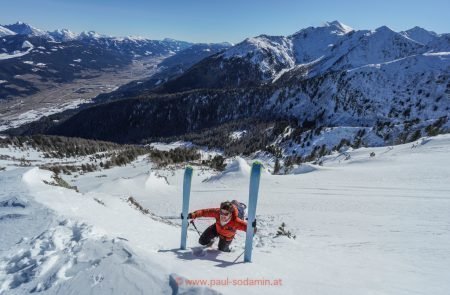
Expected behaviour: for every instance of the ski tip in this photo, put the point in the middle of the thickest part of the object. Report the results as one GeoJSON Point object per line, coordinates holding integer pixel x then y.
{"type": "Point", "coordinates": [189, 167]}
{"type": "Point", "coordinates": [257, 163]}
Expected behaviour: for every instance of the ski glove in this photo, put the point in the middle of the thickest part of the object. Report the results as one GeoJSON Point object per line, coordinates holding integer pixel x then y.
{"type": "Point", "coordinates": [190, 216]}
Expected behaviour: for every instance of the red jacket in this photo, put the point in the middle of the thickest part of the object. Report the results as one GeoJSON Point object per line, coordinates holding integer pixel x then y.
{"type": "Point", "coordinates": [228, 230]}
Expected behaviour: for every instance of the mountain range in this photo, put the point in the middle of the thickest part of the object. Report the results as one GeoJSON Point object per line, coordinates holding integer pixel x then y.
{"type": "Point", "coordinates": [61, 56]}
{"type": "Point", "coordinates": [331, 83]}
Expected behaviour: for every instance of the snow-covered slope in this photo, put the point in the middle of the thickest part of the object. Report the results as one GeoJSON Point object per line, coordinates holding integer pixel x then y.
{"type": "Point", "coordinates": [410, 88]}
{"type": "Point", "coordinates": [270, 53]}
{"type": "Point", "coordinates": [317, 42]}
{"type": "Point", "coordinates": [380, 46]}
{"type": "Point", "coordinates": [56, 254]}
{"type": "Point", "coordinates": [440, 44]}
{"type": "Point", "coordinates": [5, 32]}
{"type": "Point", "coordinates": [372, 220]}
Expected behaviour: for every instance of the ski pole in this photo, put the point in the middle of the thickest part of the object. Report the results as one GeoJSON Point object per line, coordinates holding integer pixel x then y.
{"type": "Point", "coordinates": [192, 221]}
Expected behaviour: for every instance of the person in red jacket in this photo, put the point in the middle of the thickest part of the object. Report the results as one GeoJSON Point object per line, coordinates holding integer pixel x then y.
{"type": "Point", "coordinates": [227, 223]}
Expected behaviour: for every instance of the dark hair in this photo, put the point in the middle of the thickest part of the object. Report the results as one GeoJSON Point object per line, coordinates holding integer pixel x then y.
{"type": "Point", "coordinates": [226, 205]}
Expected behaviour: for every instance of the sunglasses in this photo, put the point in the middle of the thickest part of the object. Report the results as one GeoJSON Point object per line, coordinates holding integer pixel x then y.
{"type": "Point", "coordinates": [224, 212]}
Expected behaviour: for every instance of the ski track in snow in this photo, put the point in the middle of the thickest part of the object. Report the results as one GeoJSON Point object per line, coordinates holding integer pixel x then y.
{"type": "Point", "coordinates": [376, 225]}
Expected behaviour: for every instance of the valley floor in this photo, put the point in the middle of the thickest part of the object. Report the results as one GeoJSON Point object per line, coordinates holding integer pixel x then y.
{"type": "Point", "coordinates": [56, 97]}
{"type": "Point", "coordinates": [365, 225]}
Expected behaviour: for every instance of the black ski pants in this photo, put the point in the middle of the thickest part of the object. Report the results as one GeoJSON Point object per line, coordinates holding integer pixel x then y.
{"type": "Point", "coordinates": [209, 234]}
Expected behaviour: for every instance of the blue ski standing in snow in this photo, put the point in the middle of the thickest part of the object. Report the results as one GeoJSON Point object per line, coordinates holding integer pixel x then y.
{"type": "Point", "coordinates": [252, 201]}
{"type": "Point", "coordinates": [185, 212]}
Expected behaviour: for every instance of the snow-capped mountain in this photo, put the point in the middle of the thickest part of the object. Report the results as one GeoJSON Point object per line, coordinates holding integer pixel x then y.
{"type": "Point", "coordinates": [311, 51]}
{"type": "Point", "coordinates": [64, 35]}
{"type": "Point", "coordinates": [270, 53]}
{"type": "Point", "coordinates": [91, 35]}
{"type": "Point", "coordinates": [21, 28]}
{"type": "Point", "coordinates": [379, 46]}
{"type": "Point", "coordinates": [316, 42]}
{"type": "Point", "coordinates": [61, 55]}
{"type": "Point", "coordinates": [114, 43]}
{"type": "Point", "coordinates": [420, 35]}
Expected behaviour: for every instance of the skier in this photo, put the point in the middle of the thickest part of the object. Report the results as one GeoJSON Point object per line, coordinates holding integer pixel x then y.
{"type": "Point", "coordinates": [227, 222]}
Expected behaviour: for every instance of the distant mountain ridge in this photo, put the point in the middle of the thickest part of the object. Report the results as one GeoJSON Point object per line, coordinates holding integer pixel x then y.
{"type": "Point", "coordinates": [64, 35]}
{"type": "Point", "coordinates": [332, 83]}
{"type": "Point", "coordinates": [63, 55]}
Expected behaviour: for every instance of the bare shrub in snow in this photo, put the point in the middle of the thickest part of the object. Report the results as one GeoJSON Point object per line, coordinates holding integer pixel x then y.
{"type": "Point", "coordinates": [58, 181]}
{"type": "Point", "coordinates": [282, 231]}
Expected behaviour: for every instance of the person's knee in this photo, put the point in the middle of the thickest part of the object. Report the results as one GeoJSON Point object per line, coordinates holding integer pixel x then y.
{"type": "Point", "coordinates": [203, 241]}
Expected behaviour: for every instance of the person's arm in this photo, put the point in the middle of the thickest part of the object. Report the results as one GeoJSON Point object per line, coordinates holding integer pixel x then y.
{"type": "Point", "coordinates": [211, 212]}
{"type": "Point", "coordinates": [241, 224]}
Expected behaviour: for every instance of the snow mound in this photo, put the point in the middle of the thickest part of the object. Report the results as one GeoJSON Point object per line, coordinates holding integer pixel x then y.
{"type": "Point", "coordinates": [26, 45]}
{"type": "Point", "coordinates": [36, 177]}
{"type": "Point", "coordinates": [157, 182]}
{"type": "Point", "coordinates": [304, 168]}
{"type": "Point", "coordinates": [237, 169]}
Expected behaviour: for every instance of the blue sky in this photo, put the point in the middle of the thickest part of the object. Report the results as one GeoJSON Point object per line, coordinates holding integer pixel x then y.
{"type": "Point", "coordinates": [224, 20]}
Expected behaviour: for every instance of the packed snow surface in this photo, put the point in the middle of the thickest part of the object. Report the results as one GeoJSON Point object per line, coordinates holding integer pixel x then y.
{"type": "Point", "coordinates": [369, 221]}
